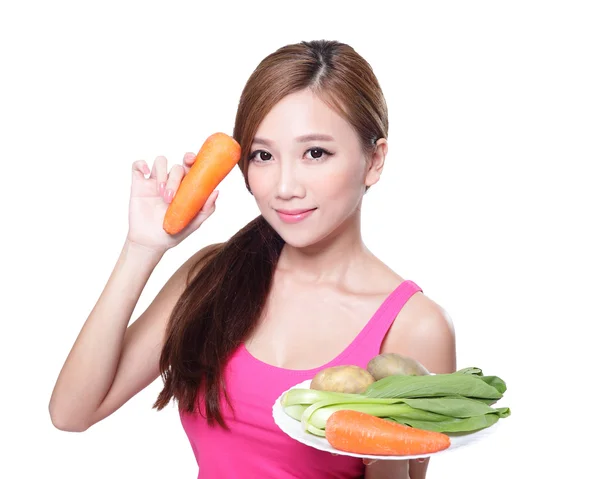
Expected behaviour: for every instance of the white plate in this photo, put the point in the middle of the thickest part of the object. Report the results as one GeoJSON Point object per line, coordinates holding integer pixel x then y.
{"type": "Point", "coordinates": [294, 429]}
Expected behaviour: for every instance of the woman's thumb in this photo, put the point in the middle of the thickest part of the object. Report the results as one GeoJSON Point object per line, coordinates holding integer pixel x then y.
{"type": "Point", "coordinates": [207, 210]}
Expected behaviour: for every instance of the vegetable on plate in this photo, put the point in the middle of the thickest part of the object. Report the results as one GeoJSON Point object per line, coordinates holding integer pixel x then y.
{"type": "Point", "coordinates": [458, 402]}
{"type": "Point", "coordinates": [361, 433]}
{"type": "Point", "coordinates": [389, 364]}
{"type": "Point", "coordinates": [343, 379]}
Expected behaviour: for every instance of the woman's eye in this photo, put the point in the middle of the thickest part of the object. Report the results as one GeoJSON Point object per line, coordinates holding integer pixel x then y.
{"type": "Point", "coordinates": [317, 153]}
{"type": "Point", "coordinates": [260, 156]}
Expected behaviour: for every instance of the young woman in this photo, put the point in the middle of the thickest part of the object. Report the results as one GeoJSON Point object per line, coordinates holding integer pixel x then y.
{"type": "Point", "coordinates": [295, 291]}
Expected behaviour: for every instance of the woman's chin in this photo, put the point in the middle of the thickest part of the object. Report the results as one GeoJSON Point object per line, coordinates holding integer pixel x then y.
{"type": "Point", "coordinates": [297, 236]}
{"type": "Point", "coordinates": [303, 234]}
{"type": "Point", "coordinates": [299, 239]}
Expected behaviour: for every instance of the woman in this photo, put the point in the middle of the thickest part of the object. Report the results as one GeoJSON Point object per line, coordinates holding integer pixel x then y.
{"type": "Point", "coordinates": [293, 292]}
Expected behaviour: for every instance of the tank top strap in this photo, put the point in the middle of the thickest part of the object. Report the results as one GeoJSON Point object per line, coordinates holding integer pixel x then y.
{"type": "Point", "coordinates": [382, 320]}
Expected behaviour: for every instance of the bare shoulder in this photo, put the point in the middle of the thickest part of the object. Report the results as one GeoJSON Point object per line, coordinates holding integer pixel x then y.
{"type": "Point", "coordinates": [424, 331]}
{"type": "Point", "coordinates": [181, 278]}
{"type": "Point", "coordinates": [198, 259]}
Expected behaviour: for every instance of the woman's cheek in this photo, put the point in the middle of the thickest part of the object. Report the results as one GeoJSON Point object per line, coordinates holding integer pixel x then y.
{"type": "Point", "coordinates": [258, 182]}
{"type": "Point", "coordinates": [340, 184]}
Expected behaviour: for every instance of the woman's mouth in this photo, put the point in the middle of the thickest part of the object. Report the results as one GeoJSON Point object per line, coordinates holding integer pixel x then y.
{"type": "Point", "coordinates": [294, 216]}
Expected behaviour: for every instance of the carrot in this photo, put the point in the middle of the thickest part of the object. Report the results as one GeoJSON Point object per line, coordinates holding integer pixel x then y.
{"type": "Point", "coordinates": [216, 158]}
{"type": "Point", "coordinates": [361, 433]}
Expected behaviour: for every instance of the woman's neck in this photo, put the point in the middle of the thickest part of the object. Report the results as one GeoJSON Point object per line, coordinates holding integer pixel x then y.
{"type": "Point", "coordinates": [331, 260]}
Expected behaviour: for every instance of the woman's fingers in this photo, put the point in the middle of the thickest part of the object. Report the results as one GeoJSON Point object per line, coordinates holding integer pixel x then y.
{"type": "Point", "coordinates": [140, 166]}
{"type": "Point", "coordinates": [207, 210]}
{"type": "Point", "coordinates": [209, 207]}
{"type": "Point", "coordinates": [367, 462]}
{"type": "Point", "coordinates": [175, 176]}
{"type": "Point", "coordinates": [188, 161]}
{"type": "Point", "coordinates": [159, 172]}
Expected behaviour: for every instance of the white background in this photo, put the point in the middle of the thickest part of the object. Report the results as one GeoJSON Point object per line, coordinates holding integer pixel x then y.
{"type": "Point", "coordinates": [490, 186]}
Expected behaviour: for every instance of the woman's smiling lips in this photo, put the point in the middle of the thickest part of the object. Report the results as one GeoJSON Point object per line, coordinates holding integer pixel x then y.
{"type": "Point", "coordinates": [294, 216]}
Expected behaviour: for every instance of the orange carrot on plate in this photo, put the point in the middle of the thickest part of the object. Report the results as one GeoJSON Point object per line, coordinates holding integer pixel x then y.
{"type": "Point", "coordinates": [361, 433]}
{"type": "Point", "coordinates": [217, 157]}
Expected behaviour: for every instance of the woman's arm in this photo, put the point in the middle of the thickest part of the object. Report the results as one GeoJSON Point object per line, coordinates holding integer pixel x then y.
{"type": "Point", "coordinates": [109, 362]}
{"type": "Point", "coordinates": [422, 331]}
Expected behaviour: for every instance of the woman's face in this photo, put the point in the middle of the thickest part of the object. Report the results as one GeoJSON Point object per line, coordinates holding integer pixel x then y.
{"type": "Point", "coordinates": [306, 186]}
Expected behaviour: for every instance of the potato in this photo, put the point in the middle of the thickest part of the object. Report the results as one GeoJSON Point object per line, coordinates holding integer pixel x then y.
{"type": "Point", "coordinates": [389, 364]}
{"type": "Point", "coordinates": [343, 379]}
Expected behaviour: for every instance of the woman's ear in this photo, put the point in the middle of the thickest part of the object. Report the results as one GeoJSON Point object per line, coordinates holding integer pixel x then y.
{"type": "Point", "coordinates": [375, 165]}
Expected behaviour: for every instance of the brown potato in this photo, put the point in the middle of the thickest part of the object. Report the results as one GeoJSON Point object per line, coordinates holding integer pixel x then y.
{"type": "Point", "coordinates": [343, 379]}
{"type": "Point", "coordinates": [389, 364]}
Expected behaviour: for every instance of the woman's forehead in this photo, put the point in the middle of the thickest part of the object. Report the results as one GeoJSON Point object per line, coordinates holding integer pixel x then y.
{"type": "Point", "coordinates": [302, 117]}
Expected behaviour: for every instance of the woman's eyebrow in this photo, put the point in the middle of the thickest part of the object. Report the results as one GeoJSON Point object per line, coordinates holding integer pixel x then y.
{"type": "Point", "coordinates": [300, 139]}
{"type": "Point", "coordinates": [314, 137]}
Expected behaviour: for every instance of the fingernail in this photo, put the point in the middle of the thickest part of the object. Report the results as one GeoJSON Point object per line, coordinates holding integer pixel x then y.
{"type": "Point", "coordinates": [169, 195]}
{"type": "Point", "coordinates": [161, 188]}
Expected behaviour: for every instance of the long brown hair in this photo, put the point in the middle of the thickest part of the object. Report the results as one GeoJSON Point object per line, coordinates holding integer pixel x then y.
{"type": "Point", "coordinates": [223, 301]}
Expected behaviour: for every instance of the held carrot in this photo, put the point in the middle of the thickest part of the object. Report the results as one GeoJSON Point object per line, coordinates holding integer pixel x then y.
{"type": "Point", "coordinates": [361, 433]}
{"type": "Point", "coordinates": [216, 158]}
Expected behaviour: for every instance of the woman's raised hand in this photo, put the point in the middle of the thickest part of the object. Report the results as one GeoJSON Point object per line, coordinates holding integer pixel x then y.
{"type": "Point", "coordinates": [151, 193]}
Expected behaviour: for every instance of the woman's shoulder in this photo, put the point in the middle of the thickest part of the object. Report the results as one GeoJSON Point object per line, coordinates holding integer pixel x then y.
{"type": "Point", "coordinates": [204, 254]}
{"type": "Point", "coordinates": [420, 309]}
{"type": "Point", "coordinates": [423, 330]}
{"type": "Point", "coordinates": [196, 261]}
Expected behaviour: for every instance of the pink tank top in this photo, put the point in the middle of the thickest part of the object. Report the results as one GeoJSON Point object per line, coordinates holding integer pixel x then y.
{"type": "Point", "coordinates": [255, 447]}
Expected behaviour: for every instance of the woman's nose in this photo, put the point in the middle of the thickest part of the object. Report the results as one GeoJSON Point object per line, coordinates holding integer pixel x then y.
{"type": "Point", "coordinates": [289, 184]}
